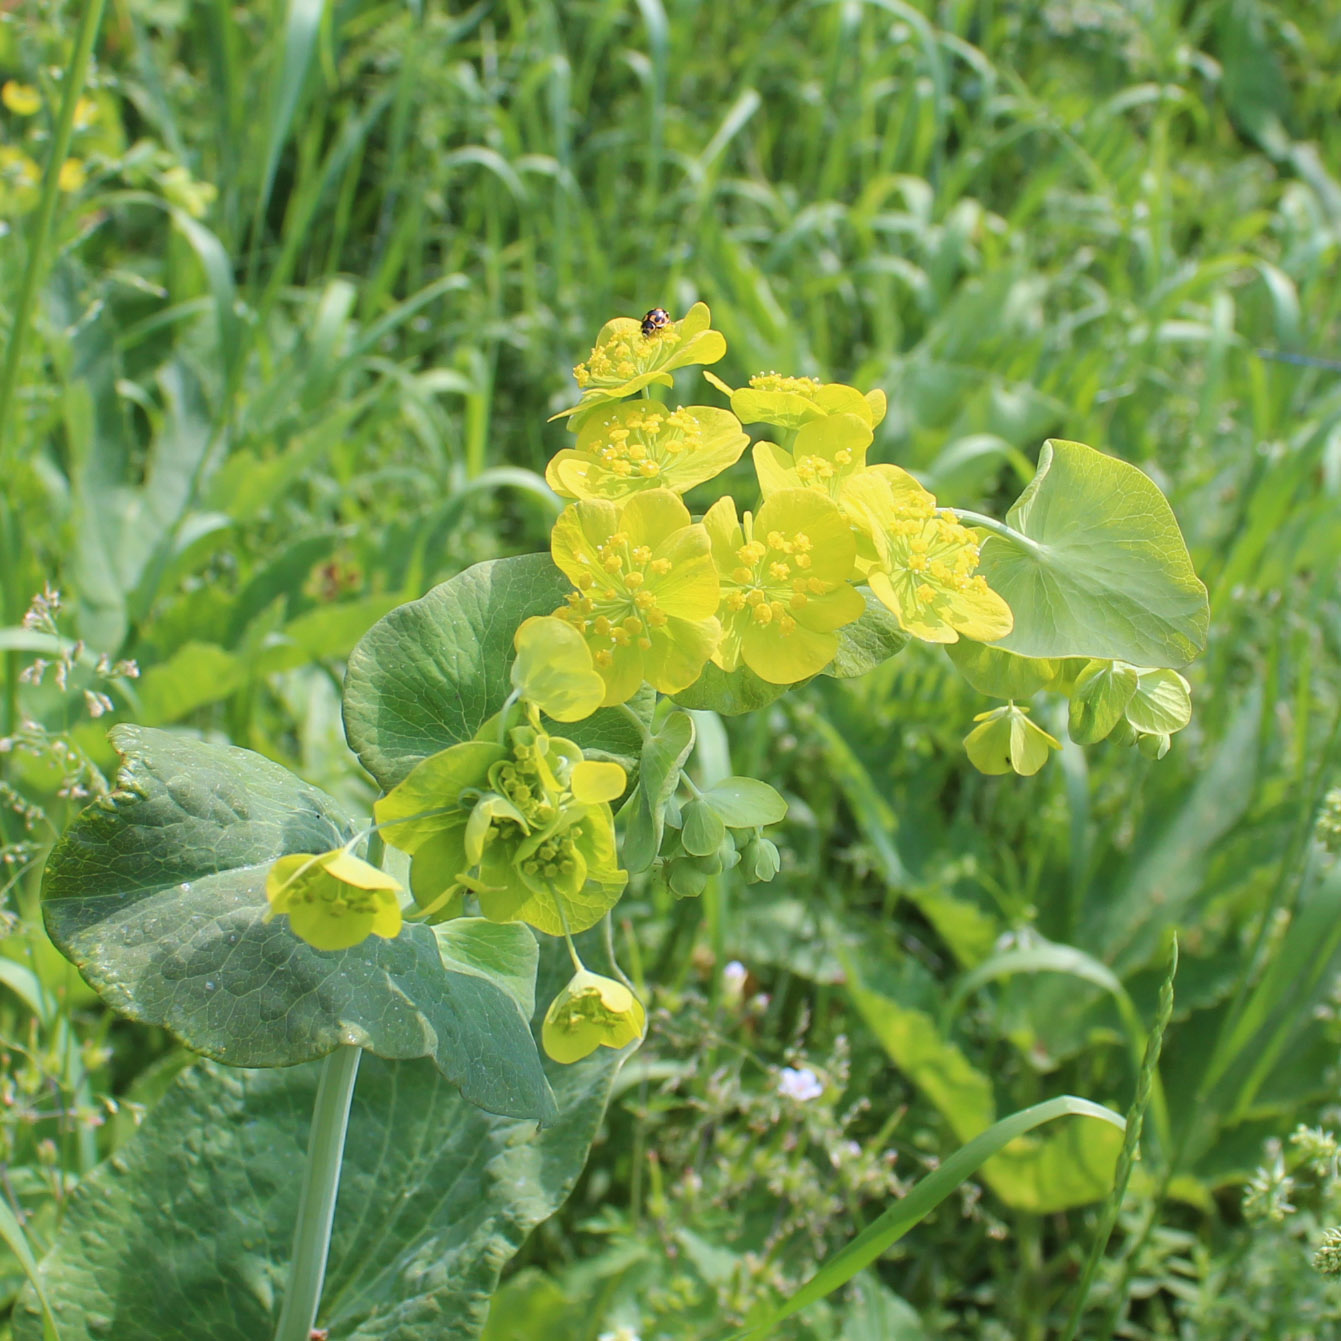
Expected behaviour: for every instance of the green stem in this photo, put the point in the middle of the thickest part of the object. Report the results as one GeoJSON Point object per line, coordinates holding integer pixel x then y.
{"type": "Point", "coordinates": [73, 86]}
{"type": "Point", "coordinates": [998, 528]}
{"type": "Point", "coordinates": [38, 238]}
{"type": "Point", "coordinates": [321, 1182]}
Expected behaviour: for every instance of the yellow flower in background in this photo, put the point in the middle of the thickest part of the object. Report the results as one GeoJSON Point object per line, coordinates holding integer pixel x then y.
{"type": "Point", "coordinates": [647, 591]}
{"type": "Point", "coordinates": [333, 899]}
{"type": "Point", "coordinates": [642, 445]}
{"type": "Point", "coordinates": [20, 180]}
{"type": "Point", "coordinates": [72, 175]}
{"type": "Point", "coordinates": [921, 562]}
{"type": "Point", "coordinates": [789, 402]}
{"type": "Point", "coordinates": [21, 99]}
{"type": "Point", "coordinates": [624, 360]}
{"type": "Point", "coordinates": [785, 585]}
{"type": "Point", "coordinates": [85, 113]}
{"type": "Point", "coordinates": [825, 454]}
{"type": "Point", "coordinates": [591, 1012]}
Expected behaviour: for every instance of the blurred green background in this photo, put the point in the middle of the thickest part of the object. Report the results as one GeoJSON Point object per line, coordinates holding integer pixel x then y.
{"type": "Point", "coordinates": [317, 275]}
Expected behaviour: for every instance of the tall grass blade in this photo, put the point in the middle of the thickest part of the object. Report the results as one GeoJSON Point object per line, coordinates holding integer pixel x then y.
{"type": "Point", "coordinates": [886, 1230]}
{"type": "Point", "coordinates": [1135, 1118]}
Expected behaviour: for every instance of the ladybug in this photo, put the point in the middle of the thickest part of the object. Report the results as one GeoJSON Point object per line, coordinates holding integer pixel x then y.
{"type": "Point", "coordinates": [655, 320]}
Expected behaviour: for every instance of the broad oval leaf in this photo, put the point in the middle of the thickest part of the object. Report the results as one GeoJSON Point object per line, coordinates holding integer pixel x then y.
{"type": "Point", "coordinates": [431, 672]}
{"type": "Point", "coordinates": [1103, 690]}
{"type": "Point", "coordinates": [1103, 570]}
{"type": "Point", "coordinates": [435, 1197]}
{"type": "Point", "coordinates": [1000, 674]}
{"type": "Point", "coordinates": [746, 803]}
{"type": "Point", "coordinates": [158, 897]}
{"type": "Point", "coordinates": [730, 693]}
{"type": "Point", "coordinates": [868, 641]}
{"type": "Point", "coordinates": [643, 816]}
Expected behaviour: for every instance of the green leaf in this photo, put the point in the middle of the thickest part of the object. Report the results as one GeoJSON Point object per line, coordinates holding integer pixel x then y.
{"type": "Point", "coordinates": [1033, 1175]}
{"type": "Point", "coordinates": [746, 803]}
{"type": "Point", "coordinates": [1099, 567]}
{"type": "Point", "coordinates": [868, 641]}
{"type": "Point", "coordinates": [195, 674]}
{"type": "Point", "coordinates": [432, 671]}
{"type": "Point", "coordinates": [1001, 674]}
{"type": "Point", "coordinates": [701, 830]}
{"type": "Point", "coordinates": [644, 813]}
{"type": "Point", "coordinates": [158, 896]}
{"type": "Point", "coordinates": [730, 693]}
{"type": "Point", "coordinates": [504, 953]}
{"type": "Point", "coordinates": [186, 1233]}
{"type": "Point", "coordinates": [1161, 704]}
{"type": "Point", "coordinates": [1103, 690]}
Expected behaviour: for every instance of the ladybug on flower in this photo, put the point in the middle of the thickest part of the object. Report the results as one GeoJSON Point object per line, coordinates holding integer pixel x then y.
{"type": "Point", "coordinates": [654, 321]}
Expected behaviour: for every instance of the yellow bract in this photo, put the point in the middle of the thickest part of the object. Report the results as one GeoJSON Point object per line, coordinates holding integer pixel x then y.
{"type": "Point", "coordinates": [624, 360]}
{"type": "Point", "coordinates": [785, 585]}
{"type": "Point", "coordinates": [790, 402]}
{"type": "Point", "coordinates": [591, 1012]}
{"type": "Point", "coordinates": [825, 455]}
{"type": "Point", "coordinates": [1007, 740]}
{"type": "Point", "coordinates": [553, 669]}
{"type": "Point", "coordinates": [333, 899]}
{"type": "Point", "coordinates": [642, 445]}
{"type": "Point", "coordinates": [921, 562]}
{"type": "Point", "coordinates": [647, 590]}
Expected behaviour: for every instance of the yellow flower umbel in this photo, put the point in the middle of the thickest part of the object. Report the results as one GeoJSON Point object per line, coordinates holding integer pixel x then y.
{"type": "Point", "coordinates": [524, 824]}
{"type": "Point", "coordinates": [922, 562]}
{"type": "Point", "coordinates": [647, 591]}
{"type": "Point", "coordinates": [591, 1012]}
{"type": "Point", "coordinates": [826, 453]}
{"type": "Point", "coordinates": [641, 446]}
{"type": "Point", "coordinates": [334, 899]}
{"type": "Point", "coordinates": [790, 402]}
{"type": "Point", "coordinates": [624, 360]}
{"type": "Point", "coordinates": [785, 585]}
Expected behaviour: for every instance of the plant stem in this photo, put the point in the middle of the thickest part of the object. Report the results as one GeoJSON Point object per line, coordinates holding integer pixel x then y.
{"type": "Point", "coordinates": [321, 1182]}
{"type": "Point", "coordinates": [997, 528]}
{"type": "Point", "coordinates": [40, 236]}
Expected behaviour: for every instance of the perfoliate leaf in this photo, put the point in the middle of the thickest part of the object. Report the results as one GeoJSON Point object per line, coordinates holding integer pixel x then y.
{"type": "Point", "coordinates": [701, 830]}
{"type": "Point", "coordinates": [1000, 674]}
{"type": "Point", "coordinates": [868, 641]}
{"type": "Point", "coordinates": [1102, 570]}
{"type": "Point", "coordinates": [746, 803]}
{"type": "Point", "coordinates": [730, 693]}
{"type": "Point", "coordinates": [1102, 691]}
{"type": "Point", "coordinates": [644, 814]}
{"type": "Point", "coordinates": [433, 671]}
{"type": "Point", "coordinates": [1161, 704]}
{"type": "Point", "coordinates": [158, 896]}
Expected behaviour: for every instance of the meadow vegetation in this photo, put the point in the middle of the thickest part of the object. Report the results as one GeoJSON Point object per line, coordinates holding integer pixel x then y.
{"type": "Point", "coordinates": [290, 292]}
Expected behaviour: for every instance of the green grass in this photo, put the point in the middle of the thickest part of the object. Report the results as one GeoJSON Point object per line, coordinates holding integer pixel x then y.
{"type": "Point", "coordinates": [238, 436]}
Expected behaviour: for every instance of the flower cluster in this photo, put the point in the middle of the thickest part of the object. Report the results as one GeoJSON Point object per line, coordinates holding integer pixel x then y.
{"type": "Point", "coordinates": [518, 821]}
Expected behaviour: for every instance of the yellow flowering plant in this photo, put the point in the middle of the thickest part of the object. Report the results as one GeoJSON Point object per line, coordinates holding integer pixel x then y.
{"type": "Point", "coordinates": [530, 725]}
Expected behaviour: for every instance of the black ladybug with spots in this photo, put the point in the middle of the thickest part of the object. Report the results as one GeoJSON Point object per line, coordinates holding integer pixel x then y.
{"type": "Point", "coordinates": [655, 320]}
